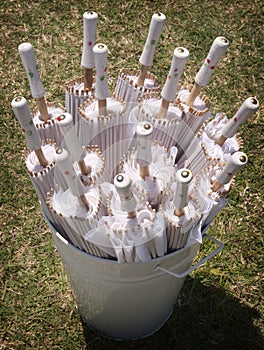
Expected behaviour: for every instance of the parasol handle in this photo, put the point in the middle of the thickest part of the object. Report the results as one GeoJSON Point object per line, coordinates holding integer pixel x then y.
{"type": "Point", "coordinates": [101, 88]}
{"type": "Point", "coordinates": [64, 163]}
{"type": "Point", "coordinates": [90, 20]}
{"type": "Point", "coordinates": [168, 93]}
{"type": "Point", "coordinates": [146, 59]}
{"type": "Point", "coordinates": [249, 107]}
{"type": "Point", "coordinates": [180, 198]}
{"type": "Point", "coordinates": [37, 89]}
{"type": "Point", "coordinates": [122, 184]}
{"type": "Point", "coordinates": [196, 89]}
{"type": "Point", "coordinates": [197, 265]}
{"type": "Point", "coordinates": [144, 131]}
{"type": "Point", "coordinates": [22, 112]}
{"type": "Point", "coordinates": [236, 162]}
{"type": "Point", "coordinates": [65, 121]}
{"type": "Point", "coordinates": [203, 77]}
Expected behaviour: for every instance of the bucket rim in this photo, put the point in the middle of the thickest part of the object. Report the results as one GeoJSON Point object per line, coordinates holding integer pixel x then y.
{"type": "Point", "coordinates": [115, 262]}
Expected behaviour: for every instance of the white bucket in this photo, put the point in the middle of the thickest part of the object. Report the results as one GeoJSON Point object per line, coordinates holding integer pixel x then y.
{"type": "Point", "coordinates": [126, 300]}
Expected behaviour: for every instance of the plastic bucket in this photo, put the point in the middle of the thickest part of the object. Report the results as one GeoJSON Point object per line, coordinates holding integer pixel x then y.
{"type": "Point", "coordinates": [126, 300]}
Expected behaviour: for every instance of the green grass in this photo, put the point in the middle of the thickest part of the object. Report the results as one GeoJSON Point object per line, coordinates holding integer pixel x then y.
{"type": "Point", "coordinates": [220, 306]}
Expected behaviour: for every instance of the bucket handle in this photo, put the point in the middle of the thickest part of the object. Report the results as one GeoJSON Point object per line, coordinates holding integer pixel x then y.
{"type": "Point", "coordinates": [201, 262]}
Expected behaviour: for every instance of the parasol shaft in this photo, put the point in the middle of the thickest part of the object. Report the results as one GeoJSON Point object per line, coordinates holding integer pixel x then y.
{"type": "Point", "coordinates": [163, 109]}
{"type": "Point", "coordinates": [142, 75]}
{"type": "Point", "coordinates": [144, 171]}
{"type": "Point", "coordinates": [131, 215]}
{"type": "Point", "coordinates": [43, 110]}
{"type": "Point", "coordinates": [221, 140]}
{"type": "Point", "coordinates": [102, 106]}
{"type": "Point", "coordinates": [41, 157]}
{"type": "Point", "coordinates": [179, 212]}
{"type": "Point", "coordinates": [88, 78]}
{"type": "Point", "coordinates": [216, 186]}
{"type": "Point", "coordinates": [84, 168]}
{"type": "Point", "coordinates": [196, 89]}
{"type": "Point", "coordinates": [84, 201]}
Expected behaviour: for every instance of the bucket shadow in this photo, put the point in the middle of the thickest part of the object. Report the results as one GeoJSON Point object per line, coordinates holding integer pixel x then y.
{"type": "Point", "coordinates": [205, 317]}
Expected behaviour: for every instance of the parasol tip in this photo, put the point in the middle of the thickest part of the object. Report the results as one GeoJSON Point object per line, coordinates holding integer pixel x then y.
{"type": "Point", "coordinates": [59, 151]}
{"type": "Point", "coordinates": [144, 128]}
{"type": "Point", "coordinates": [122, 181]}
{"type": "Point", "coordinates": [184, 176]}
{"type": "Point", "coordinates": [224, 40]}
{"type": "Point", "coordinates": [159, 16]}
{"type": "Point", "coordinates": [18, 99]}
{"type": "Point", "coordinates": [254, 101]}
{"type": "Point", "coordinates": [243, 158]}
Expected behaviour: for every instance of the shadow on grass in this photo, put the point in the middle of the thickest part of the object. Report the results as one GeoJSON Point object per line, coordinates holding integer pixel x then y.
{"type": "Point", "coordinates": [204, 318]}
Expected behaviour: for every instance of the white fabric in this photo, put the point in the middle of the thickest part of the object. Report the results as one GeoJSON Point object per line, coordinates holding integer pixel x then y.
{"type": "Point", "coordinates": [136, 240]}
{"type": "Point", "coordinates": [32, 162]}
{"type": "Point", "coordinates": [162, 172]}
{"type": "Point", "coordinates": [178, 228]}
{"type": "Point", "coordinates": [94, 159]}
{"type": "Point", "coordinates": [49, 130]}
{"type": "Point", "coordinates": [78, 222]}
{"type": "Point", "coordinates": [112, 133]}
{"type": "Point", "coordinates": [68, 205]}
{"type": "Point", "coordinates": [127, 89]}
{"type": "Point", "coordinates": [75, 95]}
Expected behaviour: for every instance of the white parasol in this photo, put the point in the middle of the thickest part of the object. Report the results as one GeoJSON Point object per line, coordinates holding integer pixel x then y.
{"type": "Point", "coordinates": [45, 114]}
{"type": "Point", "coordinates": [136, 232]}
{"type": "Point", "coordinates": [78, 208]}
{"type": "Point", "coordinates": [150, 166]}
{"type": "Point", "coordinates": [133, 84]}
{"type": "Point", "coordinates": [80, 89]}
{"type": "Point", "coordinates": [104, 121]}
{"type": "Point", "coordinates": [38, 158]}
{"type": "Point", "coordinates": [181, 212]}
{"type": "Point", "coordinates": [88, 160]}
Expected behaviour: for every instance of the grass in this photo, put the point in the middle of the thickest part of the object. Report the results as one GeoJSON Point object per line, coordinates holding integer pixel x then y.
{"type": "Point", "coordinates": [221, 305]}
